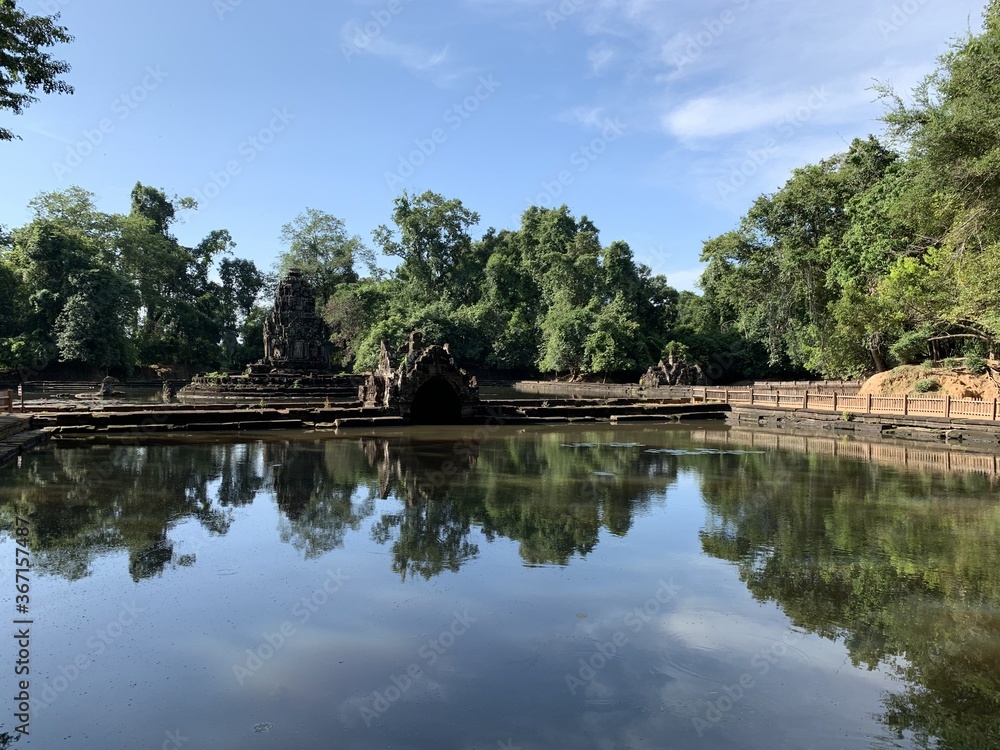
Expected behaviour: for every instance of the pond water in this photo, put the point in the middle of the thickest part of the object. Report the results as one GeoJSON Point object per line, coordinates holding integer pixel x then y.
{"type": "Point", "coordinates": [632, 587]}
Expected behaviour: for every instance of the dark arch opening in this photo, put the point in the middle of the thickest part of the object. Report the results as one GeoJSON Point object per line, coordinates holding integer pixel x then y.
{"type": "Point", "coordinates": [436, 402]}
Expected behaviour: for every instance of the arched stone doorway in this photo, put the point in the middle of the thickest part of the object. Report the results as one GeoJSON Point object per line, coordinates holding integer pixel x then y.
{"type": "Point", "coordinates": [436, 402]}
{"type": "Point", "coordinates": [422, 384]}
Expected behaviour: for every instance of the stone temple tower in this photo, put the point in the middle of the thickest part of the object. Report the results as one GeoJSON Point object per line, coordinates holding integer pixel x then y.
{"type": "Point", "coordinates": [294, 335]}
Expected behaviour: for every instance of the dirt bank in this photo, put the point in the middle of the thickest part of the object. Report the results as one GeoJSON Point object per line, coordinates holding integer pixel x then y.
{"type": "Point", "coordinates": [956, 382]}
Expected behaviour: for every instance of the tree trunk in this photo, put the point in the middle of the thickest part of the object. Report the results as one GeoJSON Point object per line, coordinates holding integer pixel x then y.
{"type": "Point", "coordinates": [878, 359]}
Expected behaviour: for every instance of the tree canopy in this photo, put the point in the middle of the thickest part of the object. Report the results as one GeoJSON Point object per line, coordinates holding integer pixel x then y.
{"type": "Point", "coordinates": [887, 254]}
{"type": "Point", "coordinates": [119, 290]}
{"type": "Point", "coordinates": [25, 66]}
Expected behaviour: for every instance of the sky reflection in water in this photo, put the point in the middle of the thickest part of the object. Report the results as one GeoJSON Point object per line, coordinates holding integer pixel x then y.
{"type": "Point", "coordinates": [571, 587]}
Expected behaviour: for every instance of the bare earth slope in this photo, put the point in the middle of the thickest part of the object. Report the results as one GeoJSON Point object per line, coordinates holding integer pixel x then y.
{"type": "Point", "coordinates": [957, 383]}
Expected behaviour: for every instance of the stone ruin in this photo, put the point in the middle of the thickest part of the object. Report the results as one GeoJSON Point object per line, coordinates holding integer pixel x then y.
{"type": "Point", "coordinates": [294, 334]}
{"type": "Point", "coordinates": [296, 360]}
{"type": "Point", "coordinates": [421, 383]}
{"type": "Point", "coordinates": [675, 371]}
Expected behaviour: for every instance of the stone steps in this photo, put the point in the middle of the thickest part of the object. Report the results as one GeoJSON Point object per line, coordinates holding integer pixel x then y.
{"type": "Point", "coordinates": [17, 436]}
{"type": "Point", "coordinates": [11, 425]}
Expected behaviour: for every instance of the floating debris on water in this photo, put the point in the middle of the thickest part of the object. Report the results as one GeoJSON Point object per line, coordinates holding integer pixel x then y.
{"type": "Point", "coordinates": [702, 452]}
{"type": "Point", "coordinates": [598, 445]}
{"type": "Point", "coordinates": [264, 726]}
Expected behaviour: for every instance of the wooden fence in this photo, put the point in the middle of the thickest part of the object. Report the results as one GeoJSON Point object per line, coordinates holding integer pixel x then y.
{"type": "Point", "coordinates": [945, 407]}
{"type": "Point", "coordinates": [800, 387]}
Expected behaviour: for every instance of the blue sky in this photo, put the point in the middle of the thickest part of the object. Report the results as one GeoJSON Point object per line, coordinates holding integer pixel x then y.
{"type": "Point", "coordinates": [661, 120]}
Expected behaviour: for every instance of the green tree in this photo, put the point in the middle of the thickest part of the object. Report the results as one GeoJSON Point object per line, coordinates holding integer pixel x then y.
{"type": "Point", "coordinates": [240, 288]}
{"type": "Point", "coordinates": [116, 290]}
{"type": "Point", "coordinates": [24, 65]}
{"type": "Point", "coordinates": [48, 257]}
{"type": "Point", "coordinates": [432, 240]}
{"type": "Point", "coordinates": [319, 246]}
{"type": "Point", "coordinates": [614, 343]}
{"type": "Point", "coordinates": [565, 329]}
{"type": "Point", "coordinates": [92, 325]}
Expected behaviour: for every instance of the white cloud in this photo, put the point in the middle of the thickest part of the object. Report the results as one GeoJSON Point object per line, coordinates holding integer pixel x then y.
{"type": "Point", "coordinates": [410, 56]}
{"type": "Point", "coordinates": [713, 116]}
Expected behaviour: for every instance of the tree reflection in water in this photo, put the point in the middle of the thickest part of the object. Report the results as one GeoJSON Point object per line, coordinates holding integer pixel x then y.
{"type": "Point", "coordinates": [903, 567]}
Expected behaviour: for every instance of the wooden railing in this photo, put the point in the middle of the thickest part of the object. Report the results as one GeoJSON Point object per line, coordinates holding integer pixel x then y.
{"type": "Point", "coordinates": [6, 402]}
{"type": "Point", "coordinates": [918, 406]}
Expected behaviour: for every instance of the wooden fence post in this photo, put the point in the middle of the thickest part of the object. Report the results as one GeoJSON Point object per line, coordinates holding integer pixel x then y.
{"type": "Point", "coordinates": [835, 399]}
{"type": "Point", "coordinates": [994, 410]}
{"type": "Point", "coordinates": [906, 404]}
{"type": "Point", "coordinates": [869, 403]}
{"type": "Point", "coordinates": [947, 406]}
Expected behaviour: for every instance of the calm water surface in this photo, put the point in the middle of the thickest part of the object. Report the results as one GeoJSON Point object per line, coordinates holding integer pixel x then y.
{"type": "Point", "coordinates": [517, 588]}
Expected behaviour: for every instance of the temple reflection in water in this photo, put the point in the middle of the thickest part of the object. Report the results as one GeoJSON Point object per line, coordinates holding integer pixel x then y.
{"type": "Point", "coordinates": [895, 557]}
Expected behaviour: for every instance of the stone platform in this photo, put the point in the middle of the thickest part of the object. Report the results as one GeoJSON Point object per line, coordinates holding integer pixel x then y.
{"type": "Point", "coordinates": [271, 385]}
{"type": "Point", "coordinates": [131, 424]}
{"type": "Point", "coordinates": [17, 434]}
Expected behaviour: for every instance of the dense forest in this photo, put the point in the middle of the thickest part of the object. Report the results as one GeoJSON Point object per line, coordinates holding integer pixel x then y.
{"type": "Point", "coordinates": [887, 254]}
